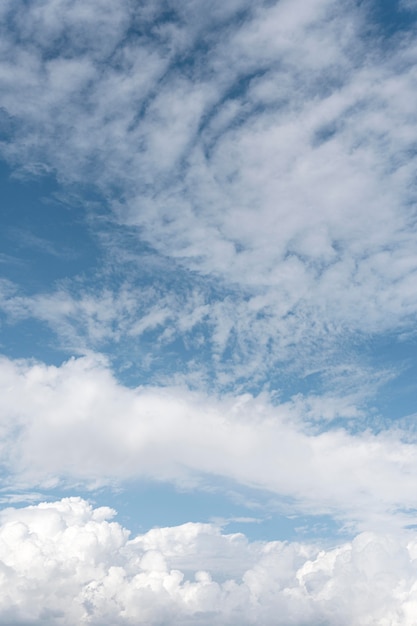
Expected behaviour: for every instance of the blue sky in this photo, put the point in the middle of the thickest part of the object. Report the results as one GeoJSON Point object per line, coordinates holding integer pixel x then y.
{"type": "Point", "coordinates": [207, 305]}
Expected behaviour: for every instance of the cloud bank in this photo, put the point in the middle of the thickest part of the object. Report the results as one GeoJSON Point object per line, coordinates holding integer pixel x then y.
{"type": "Point", "coordinates": [76, 424]}
{"type": "Point", "coordinates": [65, 563]}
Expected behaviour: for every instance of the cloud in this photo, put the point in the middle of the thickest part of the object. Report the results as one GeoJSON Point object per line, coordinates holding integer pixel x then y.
{"type": "Point", "coordinates": [65, 563]}
{"type": "Point", "coordinates": [271, 171]}
{"type": "Point", "coordinates": [253, 170]}
{"type": "Point", "coordinates": [75, 424]}
{"type": "Point", "coordinates": [265, 152]}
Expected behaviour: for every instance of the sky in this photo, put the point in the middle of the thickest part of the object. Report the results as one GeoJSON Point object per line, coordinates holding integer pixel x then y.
{"type": "Point", "coordinates": [208, 301]}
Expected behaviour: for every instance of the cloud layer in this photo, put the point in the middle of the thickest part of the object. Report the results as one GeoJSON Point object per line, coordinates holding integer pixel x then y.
{"type": "Point", "coordinates": [65, 563]}
{"type": "Point", "coordinates": [75, 424]}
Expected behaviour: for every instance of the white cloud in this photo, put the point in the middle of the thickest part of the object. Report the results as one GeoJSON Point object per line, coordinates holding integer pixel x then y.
{"type": "Point", "coordinates": [276, 161]}
{"type": "Point", "coordinates": [266, 154]}
{"type": "Point", "coordinates": [64, 563]}
{"type": "Point", "coordinates": [76, 424]}
{"type": "Point", "coordinates": [83, 317]}
{"type": "Point", "coordinates": [272, 153]}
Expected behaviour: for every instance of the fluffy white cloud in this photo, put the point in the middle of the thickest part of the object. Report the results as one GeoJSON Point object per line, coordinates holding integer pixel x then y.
{"type": "Point", "coordinates": [64, 563]}
{"type": "Point", "coordinates": [76, 423]}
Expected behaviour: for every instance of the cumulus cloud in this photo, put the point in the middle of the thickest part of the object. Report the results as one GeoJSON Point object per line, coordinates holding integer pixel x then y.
{"type": "Point", "coordinates": [76, 424]}
{"type": "Point", "coordinates": [65, 563]}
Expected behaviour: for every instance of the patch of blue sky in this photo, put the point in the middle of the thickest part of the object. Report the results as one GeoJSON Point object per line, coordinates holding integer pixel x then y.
{"type": "Point", "coordinates": [30, 339]}
{"type": "Point", "coordinates": [44, 237]}
{"type": "Point", "coordinates": [143, 504]}
{"type": "Point", "coordinates": [390, 18]}
{"type": "Point", "coordinates": [147, 505]}
{"type": "Point", "coordinates": [396, 399]}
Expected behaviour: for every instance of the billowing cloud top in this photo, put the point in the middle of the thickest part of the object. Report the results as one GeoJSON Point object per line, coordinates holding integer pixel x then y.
{"type": "Point", "coordinates": [65, 563]}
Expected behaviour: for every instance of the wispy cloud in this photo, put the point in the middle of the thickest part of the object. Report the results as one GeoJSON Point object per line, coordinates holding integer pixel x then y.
{"type": "Point", "coordinates": [273, 152]}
